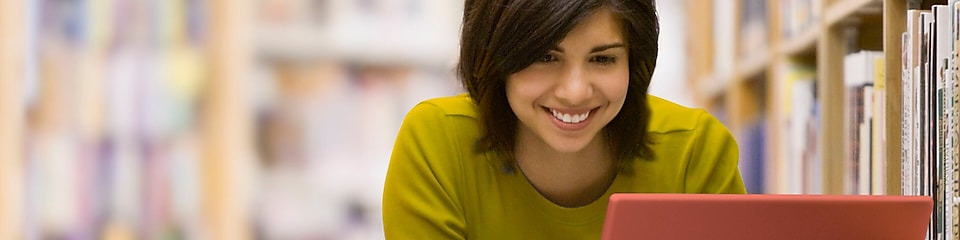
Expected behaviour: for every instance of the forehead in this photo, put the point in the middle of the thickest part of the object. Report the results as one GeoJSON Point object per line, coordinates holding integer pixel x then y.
{"type": "Point", "coordinates": [601, 25]}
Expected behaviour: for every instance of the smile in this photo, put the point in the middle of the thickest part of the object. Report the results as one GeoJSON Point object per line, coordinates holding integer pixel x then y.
{"type": "Point", "coordinates": [571, 118]}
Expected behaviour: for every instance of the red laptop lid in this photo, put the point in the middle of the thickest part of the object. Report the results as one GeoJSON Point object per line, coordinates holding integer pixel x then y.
{"type": "Point", "coordinates": [761, 216]}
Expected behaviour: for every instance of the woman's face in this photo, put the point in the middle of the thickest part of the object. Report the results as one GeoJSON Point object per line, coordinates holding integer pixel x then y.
{"type": "Point", "coordinates": [566, 97]}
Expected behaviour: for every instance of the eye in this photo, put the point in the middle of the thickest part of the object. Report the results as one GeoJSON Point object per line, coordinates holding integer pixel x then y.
{"type": "Point", "coordinates": [549, 57]}
{"type": "Point", "coordinates": [604, 59]}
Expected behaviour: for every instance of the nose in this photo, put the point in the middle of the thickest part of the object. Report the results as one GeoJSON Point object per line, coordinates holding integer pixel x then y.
{"type": "Point", "coordinates": [574, 87]}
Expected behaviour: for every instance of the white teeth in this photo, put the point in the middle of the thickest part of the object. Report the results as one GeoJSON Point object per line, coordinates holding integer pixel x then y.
{"type": "Point", "coordinates": [568, 118]}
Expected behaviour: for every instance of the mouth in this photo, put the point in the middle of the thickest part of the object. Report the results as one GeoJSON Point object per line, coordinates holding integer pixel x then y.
{"type": "Point", "coordinates": [571, 119]}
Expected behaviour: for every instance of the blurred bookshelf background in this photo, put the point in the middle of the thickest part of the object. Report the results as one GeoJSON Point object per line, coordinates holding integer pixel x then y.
{"type": "Point", "coordinates": [274, 119]}
{"type": "Point", "coordinates": [199, 119]}
{"type": "Point", "coordinates": [218, 119]}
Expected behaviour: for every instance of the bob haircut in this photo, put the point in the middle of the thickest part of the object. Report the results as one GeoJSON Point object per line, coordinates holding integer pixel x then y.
{"type": "Point", "coordinates": [502, 37]}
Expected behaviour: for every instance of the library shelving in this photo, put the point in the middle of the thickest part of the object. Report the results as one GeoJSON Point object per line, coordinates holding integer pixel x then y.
{"type": "Point", "coordinates": [785, 76]}
{"type": "Point", "coordinates": [153, 119]}
{"type": "Point", "coordinates": [66, 170]}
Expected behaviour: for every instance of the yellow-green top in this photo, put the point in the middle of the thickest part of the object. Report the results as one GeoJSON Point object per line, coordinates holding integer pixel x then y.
{"type": "Point", "coordinates": [438, 187]}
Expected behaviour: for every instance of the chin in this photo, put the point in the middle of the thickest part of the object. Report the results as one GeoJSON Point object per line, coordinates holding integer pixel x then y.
{"type": "Point", "coordinates": [569, 146]}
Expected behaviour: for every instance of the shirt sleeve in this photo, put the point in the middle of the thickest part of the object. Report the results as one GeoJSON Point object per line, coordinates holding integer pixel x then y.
{"type": "Point", "coordinates": [713, 167]}
{"type": "Point", "coordinates": [419, 197]}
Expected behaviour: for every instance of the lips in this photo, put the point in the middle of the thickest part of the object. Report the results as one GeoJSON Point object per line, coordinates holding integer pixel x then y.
{"type": "Point", "coordinates": [570, 117]}
{"type": "Point", "coordinates": [571, 120]}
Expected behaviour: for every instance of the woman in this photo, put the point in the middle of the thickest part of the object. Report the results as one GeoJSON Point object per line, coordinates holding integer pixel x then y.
{"type": "Point", "coordinates": [556, 119]}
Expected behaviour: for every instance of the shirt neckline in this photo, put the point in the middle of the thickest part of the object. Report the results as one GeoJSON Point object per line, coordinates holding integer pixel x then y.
{"type": "Point", "coordinates": [594, 211]}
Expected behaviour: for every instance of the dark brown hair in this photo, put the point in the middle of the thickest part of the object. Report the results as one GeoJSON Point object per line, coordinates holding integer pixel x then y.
{"type": "Point", "coordinates": [502, 37]}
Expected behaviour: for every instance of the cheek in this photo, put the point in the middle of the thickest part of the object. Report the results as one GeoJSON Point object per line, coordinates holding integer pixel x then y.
{"type": "Point", "coordinates": [518, 93]}
{"type": "Point", "coordinates": [522, 87]}
{"type": "Point", "coordinates": [614, 86]}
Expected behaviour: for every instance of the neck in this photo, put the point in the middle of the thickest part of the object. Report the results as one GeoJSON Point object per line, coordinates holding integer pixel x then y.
{"type": "Point", "coordinates": [567, 179]}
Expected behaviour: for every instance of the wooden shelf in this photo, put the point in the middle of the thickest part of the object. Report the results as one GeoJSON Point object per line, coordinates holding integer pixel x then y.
{"type": "Point", "coordinates": [845, 10]}
{"type": "Point", "coordinates": [227, 131]}
{"type": "Point", "coordinates": [802, 44]}
{"type": "Point", "coordinates": [894, 22]}
{"type": "Point", "coordinates": [753, 65]}
{"type": "Point", "coordinates": [307, 43]}
{"type": "Point", "coordinates": [712, 87]}
{"type": "Point", "coordinates": [11, 118]}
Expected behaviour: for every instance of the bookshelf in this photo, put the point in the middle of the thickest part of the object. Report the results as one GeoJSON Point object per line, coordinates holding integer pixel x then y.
{"type": "Point", "coordinates": [225, 127]}
{"type": "Point", "coordinates": [11, 112]}
{"type": "Point", "coordinates": [147, 125]}
{"type": "Point", "coordinates": [816, 36]}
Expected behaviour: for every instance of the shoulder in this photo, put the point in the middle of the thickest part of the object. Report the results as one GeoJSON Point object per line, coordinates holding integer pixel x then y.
{"type": "Point", "coordinates": [446, 124]}
{"type": "Point", "coordinates": [448, 119]}
{"type": "Point", "coordinates": [436, 136]}
{"type": "Point", "coordinates": [452, 106]}
{"type": "Point", "coordinates": [692, 143]}
{"type": "Point", "coordinates": [450, 128]}
{"type": "Point", "coordinates": [667, 116]}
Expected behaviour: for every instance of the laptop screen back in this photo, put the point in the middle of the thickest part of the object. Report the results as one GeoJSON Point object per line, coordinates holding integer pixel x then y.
{"type": "Point", "coordinates": [761, 216]}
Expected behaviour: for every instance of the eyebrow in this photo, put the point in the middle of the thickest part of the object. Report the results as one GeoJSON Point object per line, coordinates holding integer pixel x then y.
{"type": "Point", "coordinates": [594, 49]}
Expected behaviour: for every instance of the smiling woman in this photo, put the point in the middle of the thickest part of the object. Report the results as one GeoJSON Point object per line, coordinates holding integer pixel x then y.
{"type": "Point", "coordinates": [563, 102]}
{"type": "Point", "coordinates": [556, 119]}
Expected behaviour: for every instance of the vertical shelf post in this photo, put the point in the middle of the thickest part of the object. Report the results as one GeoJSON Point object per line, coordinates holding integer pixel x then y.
{"type": "Point", "coordinates": [226, 126]}
{"type": "Point", "coordinates": [700, 45]}
{"type": "Point", "coordinates": [830, 55]}
{"type": "Point", "coordinates": [11, 116]}
{"type": "Point", "coordinates": [894, 23]}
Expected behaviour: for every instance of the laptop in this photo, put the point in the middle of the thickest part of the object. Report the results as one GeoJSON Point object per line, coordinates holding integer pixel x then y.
{"type": "Point", "coordinates": [765, 216]}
